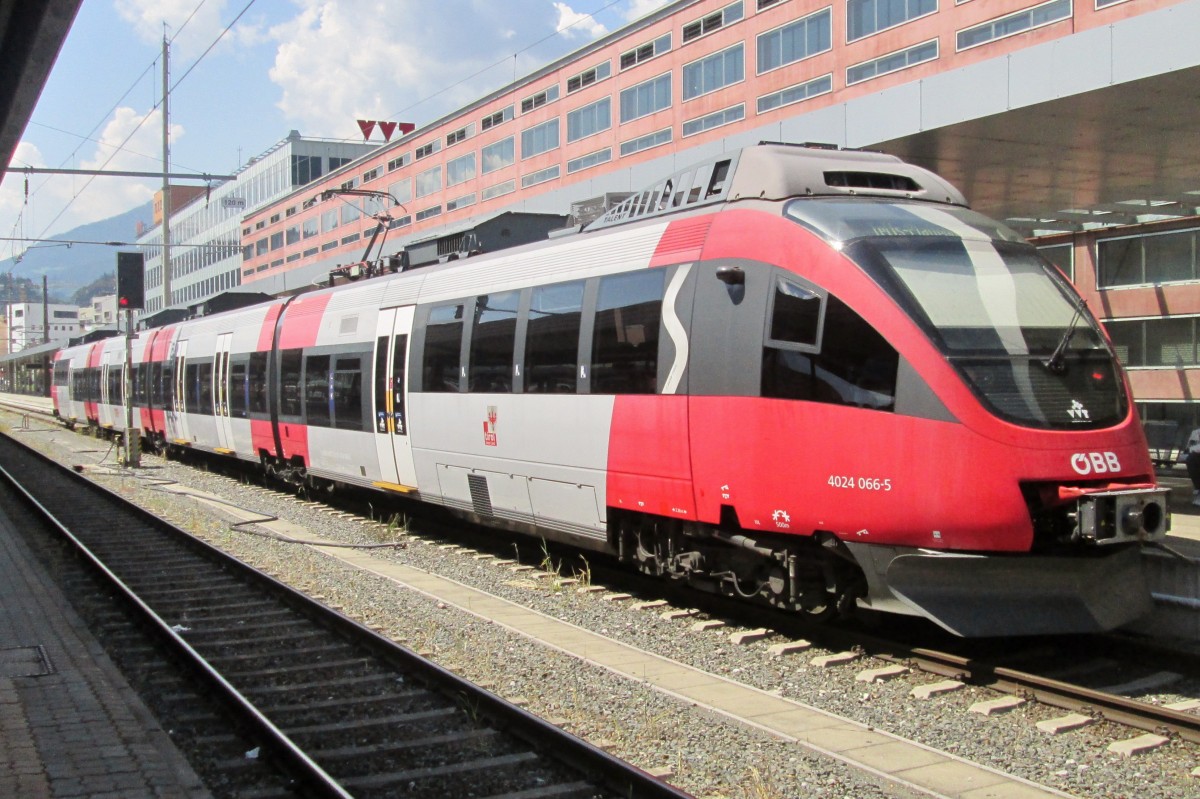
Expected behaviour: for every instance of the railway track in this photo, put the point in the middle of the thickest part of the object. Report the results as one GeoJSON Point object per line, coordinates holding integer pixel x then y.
{"type": "Point", "coordinates": [332, 708]}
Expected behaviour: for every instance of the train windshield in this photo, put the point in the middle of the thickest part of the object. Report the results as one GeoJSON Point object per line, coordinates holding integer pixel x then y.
{"type": "Point", "coordinates": [1003, 316]}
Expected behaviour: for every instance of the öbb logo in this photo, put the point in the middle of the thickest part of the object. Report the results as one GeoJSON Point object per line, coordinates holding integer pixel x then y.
{"type": "Point", "coordinates": [1086, 463]}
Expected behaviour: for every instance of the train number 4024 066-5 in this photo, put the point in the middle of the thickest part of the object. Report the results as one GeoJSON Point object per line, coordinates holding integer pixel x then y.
{"type": "Point", "coordinates": [860, 483]}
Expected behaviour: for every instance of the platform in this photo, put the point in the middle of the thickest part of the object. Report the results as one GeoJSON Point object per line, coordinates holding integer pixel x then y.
{"type": "Point", "coordinates": [70, 725]}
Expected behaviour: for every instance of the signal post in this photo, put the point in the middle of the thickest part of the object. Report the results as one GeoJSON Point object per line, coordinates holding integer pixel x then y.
{"type": "Point", "coordinates": [130, 295]}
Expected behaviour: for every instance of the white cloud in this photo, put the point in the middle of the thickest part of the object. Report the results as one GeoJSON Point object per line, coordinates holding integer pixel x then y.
{"type": "Point", "coordinates": [86, 199]}
{"type": "Point", "coordinates": [191, 26]}
{"type": "Point", "coordinates": [400, 60]}
{"type": "Point", "coordinates": [573, 24]}
{"type": "Point", "coordinates": [640, 8]}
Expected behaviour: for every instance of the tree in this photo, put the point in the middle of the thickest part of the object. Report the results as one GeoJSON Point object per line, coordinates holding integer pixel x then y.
{"type": "Point", "coordinates": [105, 284]}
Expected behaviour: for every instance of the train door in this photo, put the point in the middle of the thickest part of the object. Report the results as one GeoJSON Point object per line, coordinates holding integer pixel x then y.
{"type": "Point", "coordinates": [220, 394]}
{"type": "Point", "coordinates": [177, 425]}
{"type": "Point", "coordinates": [392, 443]}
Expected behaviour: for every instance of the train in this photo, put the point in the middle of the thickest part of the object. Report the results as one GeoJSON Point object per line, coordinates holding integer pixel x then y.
{"type": "Point", "coordinates": [805, 376]}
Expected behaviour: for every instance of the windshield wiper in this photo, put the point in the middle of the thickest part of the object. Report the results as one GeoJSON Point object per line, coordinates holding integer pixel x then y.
{"type": "Point", "coordinates": [1056, 363]}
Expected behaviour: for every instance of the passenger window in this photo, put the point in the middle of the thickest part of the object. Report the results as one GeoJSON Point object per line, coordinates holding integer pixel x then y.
{"type": "Point", "coordinates": [855, 366]}
{"type": "Point", "coordinates": [347, 393]}
{"type": "Point", "coordinates": [289, 383]}
{"type": "Point", "coordinates": [625, 338]}
{"type": "Point", "coordinates": [492, 340]}
{"type": "Point", "coordinates": [191, 391]}
{"type": "Point", "coordinates": [316, 391]}
{"type": "Point", "coordinates": [552, 338]}
{"type": "Point", "coordinates": [204, 385]}
{"type": "Point", "coordinates": [257, 377]}
{"type": "Point", "coordinates": [237, 390]}
{"type": "Point", "coordinates": [443, 346]}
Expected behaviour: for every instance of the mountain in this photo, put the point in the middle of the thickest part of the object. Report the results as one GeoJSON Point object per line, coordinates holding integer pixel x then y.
{"type": "Point", "coordinates": [71, 267]}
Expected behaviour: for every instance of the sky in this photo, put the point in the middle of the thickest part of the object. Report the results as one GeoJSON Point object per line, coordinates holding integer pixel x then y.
{"type": "Point", "coordinates": [244, 73]}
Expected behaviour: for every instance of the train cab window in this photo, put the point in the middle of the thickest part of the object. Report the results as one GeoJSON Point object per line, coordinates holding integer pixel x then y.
{"type": "Point", "coordinates": [854, 366]}
{"type": "Point", "coordinates": [238, 404]}
{"type": "Point", "coordinates": [290, 403]}
{"type": "Point", "coordinates": [316, 391]}
{"type": "Point", "coordinates": [348, 393]}
{"type": "Point", "coordinates": [795, 313]}
{"type": "Point", "coordinates": [492, 340]}
{"type": "Point", "coordinates": [552, 338]}
{"type": "Point", "coordinates": [440, 368]}
{"type": "Point", "coordinates": [625, 337]}
{"type": "Point", "coordinates": [256, 377]}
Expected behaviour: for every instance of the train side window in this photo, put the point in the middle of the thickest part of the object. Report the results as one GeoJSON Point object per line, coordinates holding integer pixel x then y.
{"type": "Point", "coordinates": [348, 393]}
{"type": "Point", "coordinates": [205, 389]}
{"type": "Point", "coordinates": [167, 385]}
{"type": "Point", "coordinates": [855, 365]}
{"type": "Point", "coordinates": [256, 376]}
{"type": "Point", "coordinates": [114, 385]}
{"type": "Point", "coordinates": [381, 384]}
{"type": "Point", "coordinates": [440, 369]}
{"type": "Point", "coordinates": [492, 341]}
{"type": "Point", "coordinates": [290, 403]}
{"type": "Point", "coordinates": [191, 394]}
{"type": "Point", "coordinates": [552, 338]}
{"type": "Point", "coordinates": [316, 391]}
{"type": "Point", "coordinates": [625, 340]}
{"type": "Point", "coordinates": [238, 384]}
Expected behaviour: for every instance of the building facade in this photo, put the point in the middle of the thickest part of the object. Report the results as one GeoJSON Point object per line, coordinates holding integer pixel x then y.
{"type": "Point", "coordinates": [31, 323]}
{"type": "Point", "coordinates": [699, 77]}
{"type": "Point", "coordinates": [205, 235]}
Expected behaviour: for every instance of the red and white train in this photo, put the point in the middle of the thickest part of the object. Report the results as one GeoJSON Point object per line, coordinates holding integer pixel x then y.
{"type": "Point", "coordinates": [801, 375]}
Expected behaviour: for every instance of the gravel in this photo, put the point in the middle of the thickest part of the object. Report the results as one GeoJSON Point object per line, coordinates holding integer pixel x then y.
{"type": "Point", "coordinates": [709, 756]}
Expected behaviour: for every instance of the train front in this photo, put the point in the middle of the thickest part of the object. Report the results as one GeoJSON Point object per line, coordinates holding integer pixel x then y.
{"type": "Point", "coordinates": [1043, 474]}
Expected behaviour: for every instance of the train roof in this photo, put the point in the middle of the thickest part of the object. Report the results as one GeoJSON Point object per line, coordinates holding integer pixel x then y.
{"type": "Point", "coordinates": [777, 171]}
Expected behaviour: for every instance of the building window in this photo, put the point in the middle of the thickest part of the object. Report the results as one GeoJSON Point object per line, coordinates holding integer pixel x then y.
{"type": "Point", "coordinates": [1154, 343]}
{"type": "Point", "coordinates": [498, 155]}
{"type": "Point", "coordinates": [1012, 24]}
{"type": "Point", "coordinates": [497, 118]}
{"type": "Point", "coordinates": [646, 98]}
{"type": "Point", "coordinates": [429, 182]}
{"type": "Point", "coordinates": [460, 135]}
{"type": "Point", "coordinates": [541, 176]}
{"type": "Point", "coordinates": [460, 170]}
{"type": "Point", "coordinates": [762, 5]}
{"type": "Point", "coordinates": [589, 76]}
{"type": "Point", "coordinates": [350, 213]}
{"type": "Point", "coordinates": [539, 139]}
{"type": "Point", "coordinates": [1148, 259]}
{"type": "Point", "coordinates": [638, 55]}
{"type": "Point", "coordinates": [794, 94]}
{"type": "Point", "coordinates": [401, 190]}
{"type": "Point", "coordinates": [540, 99]}
{"type": "Point", "coordinates": [795, 41]}
{"type": "Point", "coordinates": [1062, 256]}
{"type": "Point", "coordinates": [589, 120]}
{"type": "Point", "coordinates": [893, 62]}
{"type": "Point", "coordinates": [399, 161]}
{"type": "Point", "coordinates": [656, 139]}
{"type": "Point", "coordinates": [706, 25]}
{"type": "Point", "coordinates": [429, 212]}
{"type": "Point", "coordinates": [426, 150]}
{"type": "Point", "coordinates": [714, 72]}
{"type": "Point", "coordinates": [370, 175]}
{"type": "Point", "coordinates": [714, 120]}
{"type": "Point", "coordinates": [589, 160]}
{"type": "Point", "coordinates": [499, 190]}
{"type": "Point", "coordinates": [460, 202]}
{"type": "Point", "coordinates": [865, 17]}
{"type": "Point", "coordinates": [292, 235]}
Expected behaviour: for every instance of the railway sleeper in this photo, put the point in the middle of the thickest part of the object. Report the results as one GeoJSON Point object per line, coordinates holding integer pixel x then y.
{"type": "Point", "coordinates": [814, 575]}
